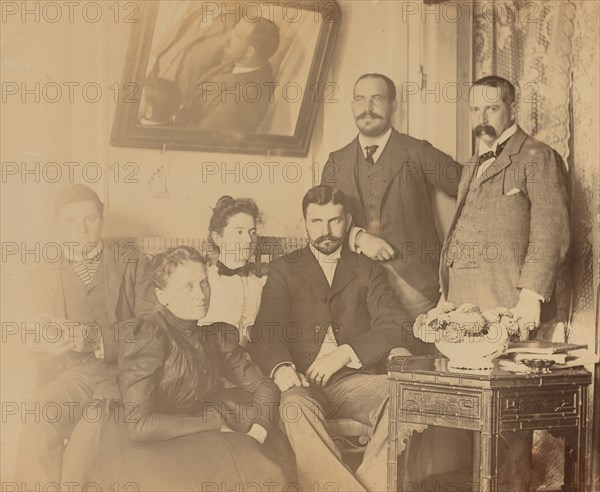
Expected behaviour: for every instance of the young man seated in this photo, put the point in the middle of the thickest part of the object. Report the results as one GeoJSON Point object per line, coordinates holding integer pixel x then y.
{"type": "Point", "coordinates": [89, 298]}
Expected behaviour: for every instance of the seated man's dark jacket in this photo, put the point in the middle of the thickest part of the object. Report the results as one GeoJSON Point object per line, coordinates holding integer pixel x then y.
{"type": "Point", "coordinates": [298, 305]}
{"type": "Point", "coordinates": [124, 288]}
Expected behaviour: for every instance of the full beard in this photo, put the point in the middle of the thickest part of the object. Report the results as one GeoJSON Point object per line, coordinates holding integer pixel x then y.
{"type": "Point", "coordinates": [326, 244]}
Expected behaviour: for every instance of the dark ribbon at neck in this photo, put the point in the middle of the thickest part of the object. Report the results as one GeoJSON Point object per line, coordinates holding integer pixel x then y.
{"type": "Point", "coordinates": [490, 154]}
{"type": "Point", "coordinates": [242, 271]}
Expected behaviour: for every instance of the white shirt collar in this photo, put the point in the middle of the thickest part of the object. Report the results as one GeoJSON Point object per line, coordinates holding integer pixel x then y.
{"type": "Point", "coordinates": [237, 69]}
{"type": "Point", "coordinates": [146, 122]}
{"type": "Point", "coordinates": [381, 142]}
{"type": "Point", "coordinates": [322, 258]}
{"type": "Point", "coordinates": [506, 134]}
{"type": "Point", "coordinates": [328, 263]}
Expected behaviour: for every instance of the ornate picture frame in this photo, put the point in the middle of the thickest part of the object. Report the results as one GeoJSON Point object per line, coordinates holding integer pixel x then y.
{"type": "Point", "coordinates": [181, 65]}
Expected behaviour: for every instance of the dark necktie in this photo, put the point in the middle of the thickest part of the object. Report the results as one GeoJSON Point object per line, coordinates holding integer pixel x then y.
{"type": "Point", "coordinates": [371, 149]}
{"type": "Point", "coordinates": [485, 157]}
{"type": "Point", "coordinates": [242, 271]}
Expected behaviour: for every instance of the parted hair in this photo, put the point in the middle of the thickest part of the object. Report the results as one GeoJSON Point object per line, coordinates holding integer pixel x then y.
{"type": "Point", "coordinates": [322, 195]}
{"type": "Point", "coordinates": [507, 89]}
{"type": "Point", "coordinates": [165, 263]}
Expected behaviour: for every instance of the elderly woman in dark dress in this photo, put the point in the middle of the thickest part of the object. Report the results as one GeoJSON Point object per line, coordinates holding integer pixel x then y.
{"type": "Point", "coordinates": [184, 431]}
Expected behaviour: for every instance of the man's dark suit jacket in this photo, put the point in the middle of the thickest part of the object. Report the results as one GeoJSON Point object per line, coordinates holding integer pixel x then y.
{"type": "Point", "coordinates": [230, 102]}
{"type": "Point", "coordinates": [298, 305]}
{"type": "Point", "coordinates": [412, 168]}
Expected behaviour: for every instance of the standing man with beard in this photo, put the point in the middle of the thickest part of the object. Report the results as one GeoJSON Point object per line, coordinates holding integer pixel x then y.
{"type": "Point", "coordinates": [388, 178]}
{"type": "Point", "coordinates": [327, 316]}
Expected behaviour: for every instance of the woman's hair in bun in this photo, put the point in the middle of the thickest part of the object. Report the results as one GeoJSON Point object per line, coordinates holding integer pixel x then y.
{"type": "Point", "coordinates": [226, 208]}
{"type": "Point", "coordinates": [224, 201]}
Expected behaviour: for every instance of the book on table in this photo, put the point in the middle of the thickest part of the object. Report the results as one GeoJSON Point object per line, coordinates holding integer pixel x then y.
{"type": "Point", "coordinates": [557, 358]}
{"type": "Point", "coordinates": [542, 347]}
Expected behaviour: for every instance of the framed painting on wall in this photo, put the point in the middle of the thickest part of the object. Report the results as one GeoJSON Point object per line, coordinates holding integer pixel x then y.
{"type": "Point", "coordinates": [229, 76]}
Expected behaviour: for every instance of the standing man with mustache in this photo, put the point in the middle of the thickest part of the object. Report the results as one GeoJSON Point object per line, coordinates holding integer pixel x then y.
{"type": "Point", "coordinates": [388, 178]}
{"type": "Point", "coordinates": [510, 232]}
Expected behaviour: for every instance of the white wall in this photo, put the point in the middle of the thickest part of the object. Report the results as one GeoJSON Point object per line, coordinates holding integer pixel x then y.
{"type": "Point", "coordinates": [373, 38]}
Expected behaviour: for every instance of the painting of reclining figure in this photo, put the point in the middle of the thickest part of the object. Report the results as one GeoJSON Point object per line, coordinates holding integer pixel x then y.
{"type": "Point", "coordinates": [229, 70]}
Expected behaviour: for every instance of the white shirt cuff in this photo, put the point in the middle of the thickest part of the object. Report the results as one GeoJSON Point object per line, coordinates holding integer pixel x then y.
{"type": "Point", "coordinates": [291, 364]}
{"type": "Point", "coordinates": [352, 238]}
{"type": "Point", "coordinates": [355, 362]}
{"type": "Point", "coordinates": [258, 432]}
{"type": "Point", "coordinates": [99, 351]}
{"type": "Point", "coordinates": [530, 293]}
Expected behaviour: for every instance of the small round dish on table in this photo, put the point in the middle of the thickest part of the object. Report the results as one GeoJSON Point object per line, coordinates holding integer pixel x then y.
{"type": "Point", "coordinates": [538, 366]}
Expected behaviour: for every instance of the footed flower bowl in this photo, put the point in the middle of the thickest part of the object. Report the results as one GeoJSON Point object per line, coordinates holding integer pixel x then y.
{"type": "Point", "coordinates": [475, 353]}
{"type": "Point", "coordinates": [469, 338]}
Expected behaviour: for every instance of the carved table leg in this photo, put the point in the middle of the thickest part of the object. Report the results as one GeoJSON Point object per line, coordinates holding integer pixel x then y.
{"type": "Point", "coordinates": [575, 449]}
{"type": "Point", "coordinates": [488, 470]}
{"type": "Point", "coordinates": [476, 456]}
{"type": "Point", "coordinates": [392, 465]}
{"type": "Point", "coordinates": [575, 442]}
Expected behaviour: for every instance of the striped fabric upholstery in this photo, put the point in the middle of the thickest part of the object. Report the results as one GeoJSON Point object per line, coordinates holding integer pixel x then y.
{"type": "Point", "coordinates": [268, 248]}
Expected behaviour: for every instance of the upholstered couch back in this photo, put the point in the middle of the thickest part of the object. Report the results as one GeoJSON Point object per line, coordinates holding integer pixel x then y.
{"type": "Point", "coordinates": [267, 248]}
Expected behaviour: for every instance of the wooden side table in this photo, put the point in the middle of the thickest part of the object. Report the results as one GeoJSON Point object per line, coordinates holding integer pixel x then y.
{"type": "Point", "coordinates": [424, 391]}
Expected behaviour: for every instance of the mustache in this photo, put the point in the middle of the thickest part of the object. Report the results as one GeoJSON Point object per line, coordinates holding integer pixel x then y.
{"type": "Point", "coordinates": [370, 114]}
{"type": "Point", "coordinates": [484, 130]}
{"type": "Point", "coordinates": [327, 237]}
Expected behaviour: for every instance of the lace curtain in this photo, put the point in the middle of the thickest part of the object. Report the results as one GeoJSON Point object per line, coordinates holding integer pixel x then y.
{"type": "Point", "coordinates": [550, 51]}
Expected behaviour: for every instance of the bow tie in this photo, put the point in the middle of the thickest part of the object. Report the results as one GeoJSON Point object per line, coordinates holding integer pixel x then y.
{"type": "Point", "coordinates": [242, 271]}
{"type": "Point", "coordinates": [491, 153]}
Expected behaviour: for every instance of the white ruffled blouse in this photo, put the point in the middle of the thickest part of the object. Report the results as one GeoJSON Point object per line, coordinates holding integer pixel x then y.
{"type": "Point", "coordinates": [234, 300]}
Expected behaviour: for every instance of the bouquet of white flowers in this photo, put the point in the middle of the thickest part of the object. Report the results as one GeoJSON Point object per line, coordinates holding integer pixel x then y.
{"type": "Point", "coordinates": [455, 324]}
